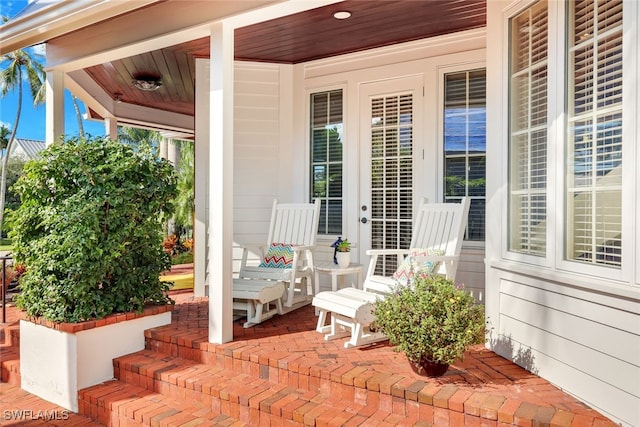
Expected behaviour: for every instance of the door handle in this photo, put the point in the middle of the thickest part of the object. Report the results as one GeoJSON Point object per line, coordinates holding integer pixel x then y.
{"type": "Point", "coordinates": [364, 220]}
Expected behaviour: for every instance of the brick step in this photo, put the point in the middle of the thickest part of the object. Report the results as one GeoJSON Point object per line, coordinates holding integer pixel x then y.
{"type": "Point", "coordinates": [10, 355]}
{"type": "Point", "coordinates": [10, 335]}
{"type": "Point", "coordinates": [20, 408]}
{"type": "Point", "coordinates": [252, 400]}
{"type": "Point", "coordinates": [459, 398]}
{"type": "Point", "coordinates": [118, 404]}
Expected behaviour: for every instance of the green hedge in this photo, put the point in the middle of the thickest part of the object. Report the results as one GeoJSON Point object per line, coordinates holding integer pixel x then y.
{"type": "Point", "coordinates": [89, 230]}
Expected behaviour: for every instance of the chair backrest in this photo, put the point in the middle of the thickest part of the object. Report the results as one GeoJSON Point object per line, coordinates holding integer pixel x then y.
{"type": "Point", "coordinates": [437, 226]}
{"type": "Point", "coordinates": [440, 226]}
{"type": "Point", "coordinates": [294, 223]}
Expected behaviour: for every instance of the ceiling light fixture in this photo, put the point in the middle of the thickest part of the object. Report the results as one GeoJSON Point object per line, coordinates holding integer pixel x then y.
{"type": "Point", "coordinates": [147, 82]}
{"type": "Point", "coordinates": [343, 14]}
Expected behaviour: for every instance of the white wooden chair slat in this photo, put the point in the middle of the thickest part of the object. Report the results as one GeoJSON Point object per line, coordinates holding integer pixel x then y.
{"type": "Point", "coordinates": [436, 226]}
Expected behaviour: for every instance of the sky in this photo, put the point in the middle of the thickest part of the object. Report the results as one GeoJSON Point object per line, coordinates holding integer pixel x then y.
{"type": "Point", "coordinates": [33, 119]}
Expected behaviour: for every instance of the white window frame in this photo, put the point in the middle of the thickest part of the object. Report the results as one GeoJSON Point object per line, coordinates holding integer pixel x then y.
{"type": "Point", "coordinates": [629, 272]}
{"type": "Point", "coordinates": [625, 272]}
{"type": "Point", "coordinates": [345, 154]}
{"type": "Point", "coordinates": [554, 108]}
{"type": "Point", "coordinates": [442, 71]}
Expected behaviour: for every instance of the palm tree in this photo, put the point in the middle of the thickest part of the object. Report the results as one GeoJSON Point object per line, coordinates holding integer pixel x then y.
{"type": "Point", "coordinates": [144, 140]}
{"type": "Point", "coordinates": [15, 65]}
{"type": "Point", "coordinates": [76, 108]}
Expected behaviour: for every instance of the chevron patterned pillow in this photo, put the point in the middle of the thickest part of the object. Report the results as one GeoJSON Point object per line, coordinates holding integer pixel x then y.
{"type": "Point", "coordinates": [409, 266]}
{"type": "Point", "coordinates": [279, 255]}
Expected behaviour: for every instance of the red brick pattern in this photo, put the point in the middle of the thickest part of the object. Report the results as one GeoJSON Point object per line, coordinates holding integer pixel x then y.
{"type": "Point", "coordinates": [282, 373]}
{"type": "Point", "coordinates": [72, 328]}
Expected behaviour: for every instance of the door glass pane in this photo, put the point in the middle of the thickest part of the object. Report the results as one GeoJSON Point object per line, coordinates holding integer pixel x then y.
{"type": "Point", "coordinates": [391, 175]}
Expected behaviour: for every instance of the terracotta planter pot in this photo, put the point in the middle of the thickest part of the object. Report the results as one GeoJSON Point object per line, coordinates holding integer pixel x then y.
{"type": "Point", "coordinates": [429, 368]}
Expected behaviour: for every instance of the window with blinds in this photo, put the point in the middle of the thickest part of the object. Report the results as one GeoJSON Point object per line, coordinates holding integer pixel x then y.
{"type": "Point", "coordinates": [391, 175]}
{"type": "Point", "coordinates": [528, 131]}
{"type": "Point", "coordinates": [326, 158]}
{"type": "Point", "coordinates": [594, 126]}
{"type": "Point", "coordinates": [465, 123]}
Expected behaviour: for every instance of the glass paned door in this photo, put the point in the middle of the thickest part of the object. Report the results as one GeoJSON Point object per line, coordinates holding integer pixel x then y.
{"type": "Point", "coordinates": [388, 137]}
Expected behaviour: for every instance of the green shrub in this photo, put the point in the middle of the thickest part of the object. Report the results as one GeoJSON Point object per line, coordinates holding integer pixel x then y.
{"type": "Point", "coordinates": [431, 319]}
{"type": "Point", "coordinates": [89, 230]}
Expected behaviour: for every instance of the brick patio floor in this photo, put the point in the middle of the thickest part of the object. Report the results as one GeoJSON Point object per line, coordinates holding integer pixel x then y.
{"type": "Point", "coordinates": [282, 372]}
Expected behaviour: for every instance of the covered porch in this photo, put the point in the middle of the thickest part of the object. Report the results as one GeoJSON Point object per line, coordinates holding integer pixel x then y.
{"type": "Point", "coordinates": [246, 97]}
{"type": "Point", "coordinates": [237, 78]}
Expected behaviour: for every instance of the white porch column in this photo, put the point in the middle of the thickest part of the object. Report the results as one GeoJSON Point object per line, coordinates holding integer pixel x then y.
{"type": "Point", "coordinates": [173, 156]}
{"type": "Point", "coordinates": [111, 128]}
{"type": "Point", "coordinates": [164, 147]}
{"type": "Point", "coordinates": [173, 152]}
{"type": "Point", "coordinates": [54, 127]}
{"type": "Point", "coordinates": [201, 166]}
{"type": "Point", "coordinates": [221, 185]}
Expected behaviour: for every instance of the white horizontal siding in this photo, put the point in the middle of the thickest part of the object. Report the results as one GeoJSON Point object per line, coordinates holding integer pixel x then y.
{"type": "Point", "coordinates": [256, 152]}
{"type": "Point", "coordinates": [588, 348]}
{"type": "Point", "coordinates": [471, 271]}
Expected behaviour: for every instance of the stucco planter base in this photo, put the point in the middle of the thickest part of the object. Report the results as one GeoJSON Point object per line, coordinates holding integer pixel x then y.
{"type": "Point", "coordinates": [58, 359]}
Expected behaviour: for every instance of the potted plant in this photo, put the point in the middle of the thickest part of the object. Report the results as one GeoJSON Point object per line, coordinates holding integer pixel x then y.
{"type": "Point", "coordinates": [343, 254]}
{"type": "Point", "coordinates": [432, 321]}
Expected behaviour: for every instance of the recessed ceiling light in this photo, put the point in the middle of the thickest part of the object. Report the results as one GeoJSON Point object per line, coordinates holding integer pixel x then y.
{"type": "Point", "coordinates": [343, 14]}
{"type": "Point", "coordinates": [147, 81]}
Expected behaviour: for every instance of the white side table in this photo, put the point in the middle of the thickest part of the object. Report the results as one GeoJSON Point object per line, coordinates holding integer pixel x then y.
{"type": "Point", "coordinates": [335, 271]}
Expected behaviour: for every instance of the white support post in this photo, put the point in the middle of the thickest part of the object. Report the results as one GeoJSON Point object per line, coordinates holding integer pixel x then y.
{"type": "Point", "coordinates": [221, 185]}
{"type": "Point", "coordinates": [201, 166]}
{"type": "Point", "coordinates": [54, 127]}
{"type": "Point", "coordinates": [164, 148]}
{"type": "Point", "coordinates": [111, 128]}
{"type": "Point", "coordinates": [173, 152]}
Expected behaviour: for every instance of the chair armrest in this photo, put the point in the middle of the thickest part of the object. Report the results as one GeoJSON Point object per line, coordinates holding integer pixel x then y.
{"type": "Point", "coordinates": [374, 253]}
{"type": "Point", "coordinates": [248, 246]}
{"type": "Point", "coordinates": [436, 258]}
{"type": "Point", "coordinates": [387, 251]}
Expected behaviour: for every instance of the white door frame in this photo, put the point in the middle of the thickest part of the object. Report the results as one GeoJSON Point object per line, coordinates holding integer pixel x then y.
{"type": "Point", "coordinates": [402, 85]}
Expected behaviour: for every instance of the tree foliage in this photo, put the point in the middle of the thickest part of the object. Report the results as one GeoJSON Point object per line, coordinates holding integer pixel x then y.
{"type": "Point", "coordinates": [14, 66]}
{"type": "Point", "coordinates": [89, 230]}
{"type": "Point", "coordinates": [185, 201]}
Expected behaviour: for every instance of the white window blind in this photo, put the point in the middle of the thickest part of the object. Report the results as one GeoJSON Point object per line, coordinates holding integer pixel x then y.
{"type": "Point", "coordinates": [326, 158]}
{"type": "Point", "coordinates": [528, 130]}
{"type": "Point", "coordinates": [594, 149]}
{"type": "Point", "coordinates": [391, 175]}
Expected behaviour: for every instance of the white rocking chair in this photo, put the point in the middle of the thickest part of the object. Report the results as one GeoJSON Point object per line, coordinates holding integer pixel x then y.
{"type": "Point", "coordinates": [437, 239]}
{"type": "Point", "coordinates": [286, 268]}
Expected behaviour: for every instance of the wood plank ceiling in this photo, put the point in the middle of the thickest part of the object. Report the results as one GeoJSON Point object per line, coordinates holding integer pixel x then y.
{"type": "Point", "coordinates": [297, 38]}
